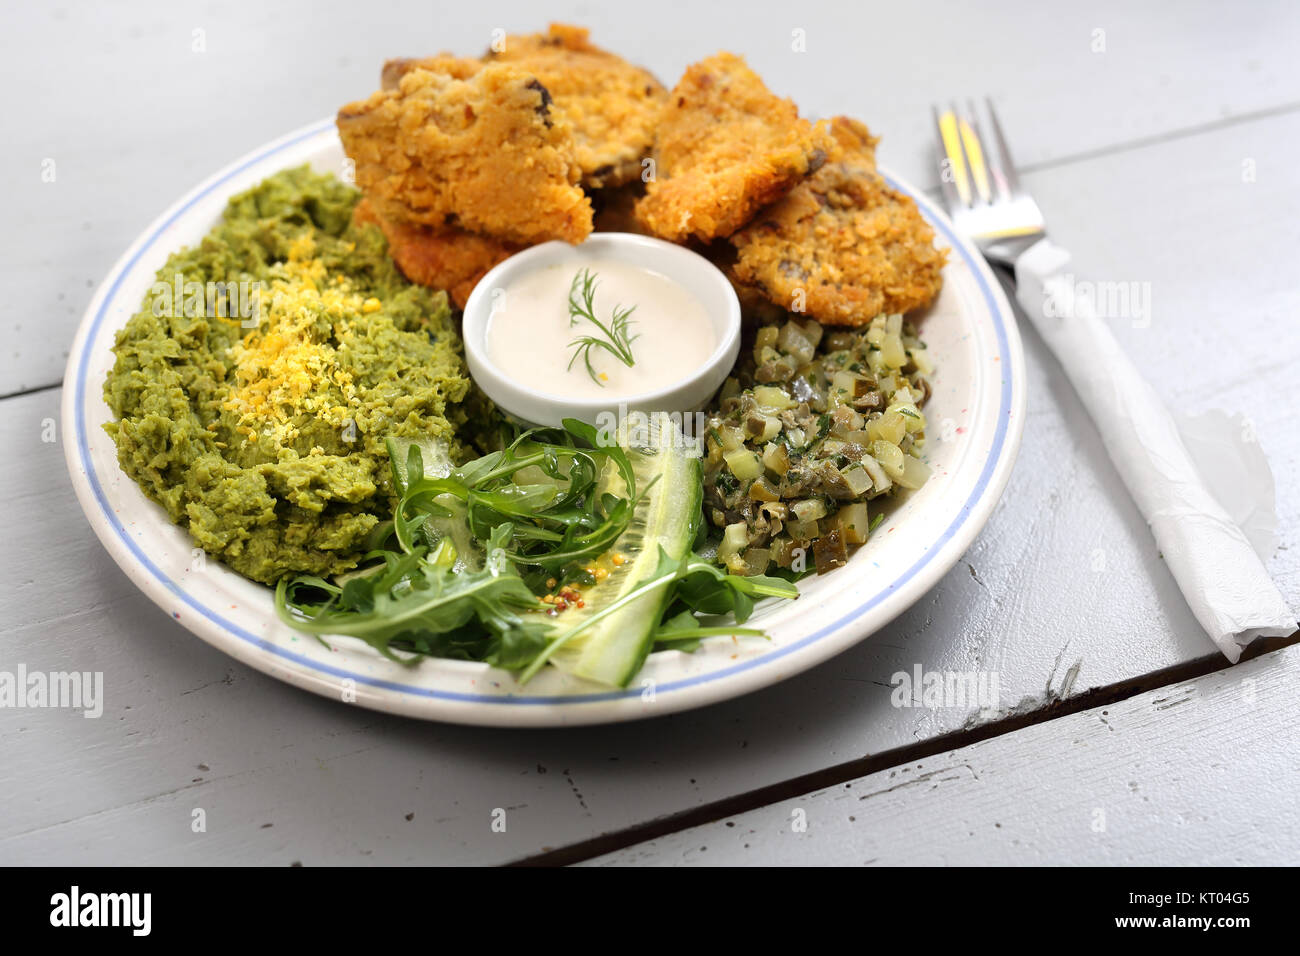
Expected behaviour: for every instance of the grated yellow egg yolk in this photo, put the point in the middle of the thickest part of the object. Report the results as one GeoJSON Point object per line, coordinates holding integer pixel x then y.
{"type": "Point", "coordinates": [285, 367]}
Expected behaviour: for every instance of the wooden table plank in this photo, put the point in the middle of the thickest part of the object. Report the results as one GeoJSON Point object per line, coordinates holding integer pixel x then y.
{"type": "Point", "coordinates": [139, 108]}
{"type": "Point", "coordinates": [1194, 774]}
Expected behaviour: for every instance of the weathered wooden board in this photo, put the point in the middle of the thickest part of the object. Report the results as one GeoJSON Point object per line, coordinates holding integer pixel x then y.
{"type": "Point", "coordinates": [1203, 773]}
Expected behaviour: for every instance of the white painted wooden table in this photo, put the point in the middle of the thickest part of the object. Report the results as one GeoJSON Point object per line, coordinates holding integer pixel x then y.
{"type": "Point", "coordinates": [1161, 145]}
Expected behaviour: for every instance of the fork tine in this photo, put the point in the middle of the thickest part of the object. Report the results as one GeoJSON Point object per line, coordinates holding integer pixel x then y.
{"type": "Point", "coordinates": [975, 153]}
{"type": "Point", "coordinates": [952, 171]}
{"type": "Point", "coordinates": [991, 156]}
{"type": "Point", "coordinates": [1004, 164]}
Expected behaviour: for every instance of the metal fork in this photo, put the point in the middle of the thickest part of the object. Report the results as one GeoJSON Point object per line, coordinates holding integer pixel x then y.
{"type": "Point", "coordinates": [1218, 570]}
{"type": "Point", "coordinates": [981, 188]}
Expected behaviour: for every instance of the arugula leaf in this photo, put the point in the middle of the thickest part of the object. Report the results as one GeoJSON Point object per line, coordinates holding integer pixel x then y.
{"type": "Point", "coordinates": [410, 600]}
{"type": "Point", "coordinates": [683, 631]}
{"type": "Point", "coordinates": [709, 589]}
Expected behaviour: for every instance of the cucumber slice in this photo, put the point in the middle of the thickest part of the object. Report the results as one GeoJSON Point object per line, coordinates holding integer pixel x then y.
{"type": "Point", "coordinates": [613, 649]}
{"type": "Point", "coordinates": [434, 454]}
{"type": "Point", "coordinates": [454, 529]}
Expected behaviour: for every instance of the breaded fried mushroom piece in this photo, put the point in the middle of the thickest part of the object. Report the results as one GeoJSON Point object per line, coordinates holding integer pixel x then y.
{"type": "Point", "coordinates": [453, 260]}
{"type": "Point", "coordinates": [488, 154]}
{"type": "Point", "coordinates": [852, 142]}
{"type": "Point", "coordinates": [726, 147]}
{"type": "Point", "coordinates": [843, 245]}
{"type": "Point", "coordinates": [462, 68]}
{"type": "Point", "coordinates": [611, 104]}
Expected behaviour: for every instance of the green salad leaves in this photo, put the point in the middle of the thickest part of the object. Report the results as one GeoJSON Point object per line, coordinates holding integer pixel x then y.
{"type": "Point", "coordinates": [458, 569]}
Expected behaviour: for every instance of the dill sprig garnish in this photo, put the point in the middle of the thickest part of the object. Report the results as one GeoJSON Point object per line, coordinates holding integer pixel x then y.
{"type": "Point", "coordinates": [614, 338]}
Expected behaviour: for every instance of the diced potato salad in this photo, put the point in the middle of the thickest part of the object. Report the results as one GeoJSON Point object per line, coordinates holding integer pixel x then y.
{"type": "Point", "coordinates": [814, 425]}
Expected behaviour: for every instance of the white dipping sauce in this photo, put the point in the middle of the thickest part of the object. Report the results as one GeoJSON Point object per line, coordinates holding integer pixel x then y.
{"type": "Point", "coordinates": [529, 331]}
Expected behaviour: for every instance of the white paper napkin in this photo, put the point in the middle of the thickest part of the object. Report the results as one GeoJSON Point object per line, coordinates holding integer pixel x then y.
{"type": "Point", "coordinates": [1206, 490]}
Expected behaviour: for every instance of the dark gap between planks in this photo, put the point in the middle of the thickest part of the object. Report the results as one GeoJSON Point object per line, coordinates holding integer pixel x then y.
{"type": "Point", "coordinates": [873, 763]}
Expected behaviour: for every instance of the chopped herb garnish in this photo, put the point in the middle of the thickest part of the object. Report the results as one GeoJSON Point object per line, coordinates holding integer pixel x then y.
{"type": "Point", "coordinates": [613, 337]}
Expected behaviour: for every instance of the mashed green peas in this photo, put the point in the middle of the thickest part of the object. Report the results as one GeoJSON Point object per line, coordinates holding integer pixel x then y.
{"type": "Point", "coordinates": [255, 387]}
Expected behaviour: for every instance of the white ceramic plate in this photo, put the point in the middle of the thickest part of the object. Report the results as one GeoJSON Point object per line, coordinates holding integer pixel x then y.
{"type": "Point", "coordinates": [976, 416]}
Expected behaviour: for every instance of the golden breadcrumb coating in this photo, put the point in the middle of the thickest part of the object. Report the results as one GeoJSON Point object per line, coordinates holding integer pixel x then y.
{"type": "Point", "coordinates": [611, 105]}
{"type": "Point", "coordinates": [726, 147]}
{"type": "Point", "coordinates": [460, 67]}
{"type": "Point", "coordinates": [452, 259]}
{"type": "Point", "coordinates": [843, 245]}
{"type": "Point", "coordinates": [488, 154]}
{"type": "Point", "coordinates": [851, 141]}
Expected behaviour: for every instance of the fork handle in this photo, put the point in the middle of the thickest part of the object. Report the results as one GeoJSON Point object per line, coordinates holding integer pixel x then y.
{"type": "Point", "coordinates": [1219, 572]}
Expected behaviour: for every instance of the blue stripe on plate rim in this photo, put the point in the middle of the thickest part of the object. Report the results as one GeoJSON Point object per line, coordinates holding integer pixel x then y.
{"type": "Point", "coordinates": [1004, 413]}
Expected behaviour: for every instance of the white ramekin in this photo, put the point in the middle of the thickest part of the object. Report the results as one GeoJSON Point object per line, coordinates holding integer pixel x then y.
{"type": "Point", "coordinates": [695, 273]}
